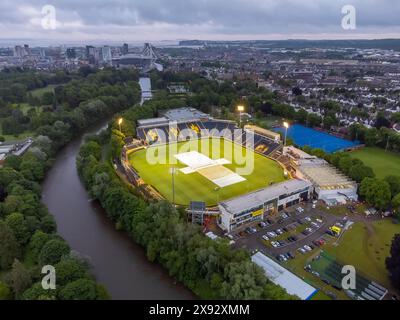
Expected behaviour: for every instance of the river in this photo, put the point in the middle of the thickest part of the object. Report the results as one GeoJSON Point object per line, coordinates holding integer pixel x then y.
{"type": "Point", "coordinates": [118, 263]}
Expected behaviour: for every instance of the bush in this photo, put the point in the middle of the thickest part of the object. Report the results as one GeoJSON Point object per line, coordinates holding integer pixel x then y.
{"type": "Point", "coordinates": [53, 251]}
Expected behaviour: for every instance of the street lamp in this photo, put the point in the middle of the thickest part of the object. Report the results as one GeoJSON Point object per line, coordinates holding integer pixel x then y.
{"type": "Point", "coordinates": [286, 125]}
{"type": "Point", "coordinates": [241, 110]}
{"type": "Point", "coordinates": [172, 170]}
{"type": "Point", "coordinates": [119, 123]}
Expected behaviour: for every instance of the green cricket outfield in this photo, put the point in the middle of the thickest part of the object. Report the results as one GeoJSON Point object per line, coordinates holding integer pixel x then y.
{"type": "Point", "coordinates": [194, 186]}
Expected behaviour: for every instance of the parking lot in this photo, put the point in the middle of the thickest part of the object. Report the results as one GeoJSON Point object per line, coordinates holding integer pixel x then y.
{"type": "Point", "coordinates": [292, 232]}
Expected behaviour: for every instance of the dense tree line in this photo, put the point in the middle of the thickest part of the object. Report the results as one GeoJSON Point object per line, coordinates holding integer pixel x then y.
{"type": "Point", "coordinates": [28, 238]}
{"type": "Point", "coordinates": [383, 137]}
{"type": "Point", "coordinates": [86, 98]}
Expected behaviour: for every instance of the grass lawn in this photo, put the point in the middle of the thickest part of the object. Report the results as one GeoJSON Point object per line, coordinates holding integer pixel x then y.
{"type": "Point", "coordinates": [38, 93]}
{"type": "Point", "coordinates": [21, 136]}
{"type": "Point", "coordinates": [268, 122]}
{"type": "Point", "coordinates": [297, 266]}
{"type": "Point", "coordinates": [198, 188]}
{"type": "Point", "coordinates": [366, 247]}
{"type": "Point", "coordinates": [25, 107]}
{"type": "Point", "coordinates": [383, 163]}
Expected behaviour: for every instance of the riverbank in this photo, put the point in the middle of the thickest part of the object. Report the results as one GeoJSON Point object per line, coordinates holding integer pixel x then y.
{"type": "Point", "coordinates": [117, 262]}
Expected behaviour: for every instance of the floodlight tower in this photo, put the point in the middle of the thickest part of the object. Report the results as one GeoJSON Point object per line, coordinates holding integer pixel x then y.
{"type": "Point", "coordinates": [286, 125]}
{"type": "Point", "coordinates": [120, 120]}
{"type": "Point", "coordinates": [172, 170]}
{"type": "Point", "coordinates": [241, 110]}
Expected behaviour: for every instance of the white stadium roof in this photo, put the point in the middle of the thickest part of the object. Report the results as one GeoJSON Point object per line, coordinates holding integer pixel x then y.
{"type": "Point", "coordinates": [284, 278]}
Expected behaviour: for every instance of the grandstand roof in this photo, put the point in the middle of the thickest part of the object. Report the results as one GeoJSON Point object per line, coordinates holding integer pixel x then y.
{"type": "Point", "coordinates": [284, 278]}
{"type": "Point", "coordinates": [264, 132]}
{"type": "Point", "coordinates": [185, 114]}
{"type": "Point", "coordinates": [257, 198]}
{"type": "Point", "coordinates": [325, 176]}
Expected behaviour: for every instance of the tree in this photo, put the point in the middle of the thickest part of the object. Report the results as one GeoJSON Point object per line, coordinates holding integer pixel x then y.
{"type": "Point", "coordinates": [38, 240]}
{"type": "Point", "coordinates": [18, 225]}
{"type": "Point", "coordinates": [345, 164]}
{"type": "Point", "coordinates": [90, 148]}
{"type": "Point", "coordinates": [48, 224]}
{"type": "Point", "coordinates": [244, 281]}
{"type": "Point", "coordinates": [53, 251]}
{"type": "Point", "coordinates": [82, 289]}
{"type": "Point", "coordinates": [36, 292]}
{"type": "Point", "coordinates": [393, 262]}
{"type": "Point", "coordinates": [18, 279]}
{"type": "Point", "coordinates": [376, 192]}
{"type": "Point", "coordinates": [359, 172]}
{"type": "Point", "coordinates": [9, 247]}
{"type": "Point", "coordinates": [313, 120]}
{"type": "Point", "coordinates": [48, 98]}
{"type": "Point", "coordinates": [69, 270]}
{"type": "Point", "coordinates": [394, 182]}
{"type": "Point", "coordinates": [13, 161]}
{"type": "Point", "coordinates": [5, 293]}
{"type": "Point", "coordinates": [396, 203]}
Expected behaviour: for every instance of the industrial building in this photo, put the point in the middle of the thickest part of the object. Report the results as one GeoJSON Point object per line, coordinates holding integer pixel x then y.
{"type": "Point", "coordinates": [252, 207]}
{"type": "Point", "coordinates": [329, 185]}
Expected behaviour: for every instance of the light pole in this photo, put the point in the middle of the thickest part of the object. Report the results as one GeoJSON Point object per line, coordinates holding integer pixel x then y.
{"type": "Point", "coordinates": [119, 123]}
{"type": "Point", "coordinates": [173, 171]}
{"type": "Point", "coordinates": [217, 190]}
{"type": "Point", "coordinates": [286, 125]}
{"type": "Point", "coordinates": [241, 110]}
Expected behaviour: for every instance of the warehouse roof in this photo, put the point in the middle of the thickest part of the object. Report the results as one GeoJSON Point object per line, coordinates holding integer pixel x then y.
{"type": "Point", "coordinates": [284, 278]}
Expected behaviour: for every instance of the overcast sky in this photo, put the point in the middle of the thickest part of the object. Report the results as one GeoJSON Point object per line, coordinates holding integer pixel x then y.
{"type": "Point", "coordinates": [155, 20]}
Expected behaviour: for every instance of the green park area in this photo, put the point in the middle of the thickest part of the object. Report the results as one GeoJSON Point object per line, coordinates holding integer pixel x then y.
{"type": "Point", "coordinates": [366, 245]}
{"type": "Point", "coordinates": [383, 163]}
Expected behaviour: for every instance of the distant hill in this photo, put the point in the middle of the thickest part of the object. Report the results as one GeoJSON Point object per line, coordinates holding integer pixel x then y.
{"type": "Point", "coordinates": [388, 44]}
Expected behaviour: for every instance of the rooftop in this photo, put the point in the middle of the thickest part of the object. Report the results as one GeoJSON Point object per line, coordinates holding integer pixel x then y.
{"type": "Point", "coordinates": [259, 197]}
{"type": "Point", "coordinates": [185, 114]}
{"type": "Point", "coordinates": [153, 121]}
{"type": "Point", "coordinates": [284, 278]}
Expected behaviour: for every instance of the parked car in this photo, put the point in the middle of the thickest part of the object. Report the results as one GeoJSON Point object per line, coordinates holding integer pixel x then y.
{"type": "Point", "coordinates": [307, 248]}
{"type": "Point", "coordinates": [274, 244]}
{"type": "Point", "coordinates": [291, 255]}
{"type": "Point", "coordinates": [300, 210]}
{"type": "Point", "coordinates": [281, 258]}
{"type": "Point", "coordinates": [316, 242]}
{"type": "Point", "coordinates": [302, 251]}
{"type": "Point", "coordinates": [265, 238]}
{"type": "Point", "coordinates": [279, 231]}
{"type": "Point", "coordinates": [262, 224]}
{"type": "Point", "coordinates": [308, 219]}
{"type": "Point", "coordinates": [272, 234]}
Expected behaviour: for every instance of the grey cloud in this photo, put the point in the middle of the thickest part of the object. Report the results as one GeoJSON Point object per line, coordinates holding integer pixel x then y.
{"type": "Point", "coordinates": [206, 17]}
